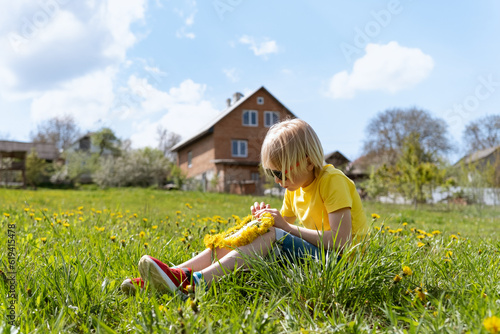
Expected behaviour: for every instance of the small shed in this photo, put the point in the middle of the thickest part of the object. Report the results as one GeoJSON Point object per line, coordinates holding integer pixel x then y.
{"type": "Point", "coordinates": [13, 157]}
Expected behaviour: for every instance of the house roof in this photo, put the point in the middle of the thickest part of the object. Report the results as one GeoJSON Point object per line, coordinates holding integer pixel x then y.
{"type": "Point", "coordinates": [45, 151]}
{"type": "Point", "coordinates": [336, 155]}
{"type": "Point", "coordinates": [208, 128]}
{"type": "Point", "coordinates": [478, 155]}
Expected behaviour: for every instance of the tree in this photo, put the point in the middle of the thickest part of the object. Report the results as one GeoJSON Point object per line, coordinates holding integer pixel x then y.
{"type": "Point", "coordinates": [36, 169]}
{"type": "Point", "coordinates": [167, 140]}
{"type": "Point", "coordinates": [106, 140]}
{"type": "Point", "coordinates": [61, 131]}
{"type": "Point", "coordinates": [482, 133]}
{"type": "Point", "coordinates": [387, 132]}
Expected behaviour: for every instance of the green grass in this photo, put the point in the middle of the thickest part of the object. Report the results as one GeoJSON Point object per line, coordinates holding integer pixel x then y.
{"type": "Point", "coordinates": [69, 282]}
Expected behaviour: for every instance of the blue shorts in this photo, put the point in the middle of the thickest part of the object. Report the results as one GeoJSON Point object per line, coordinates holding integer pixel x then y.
{"type": "Point", "coordinates": [294, 248]}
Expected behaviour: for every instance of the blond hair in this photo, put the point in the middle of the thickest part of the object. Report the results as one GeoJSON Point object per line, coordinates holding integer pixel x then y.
{"type": "Point", "coordinates": [290, 146]}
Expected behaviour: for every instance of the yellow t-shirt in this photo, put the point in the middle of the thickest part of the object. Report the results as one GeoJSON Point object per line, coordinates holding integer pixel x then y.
{"type": "Point", "coordinates": [329, 192]}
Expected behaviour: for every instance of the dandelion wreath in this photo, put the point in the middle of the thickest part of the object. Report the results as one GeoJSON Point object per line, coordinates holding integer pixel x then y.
{"type": "Point", "coordinates": [241, 234]}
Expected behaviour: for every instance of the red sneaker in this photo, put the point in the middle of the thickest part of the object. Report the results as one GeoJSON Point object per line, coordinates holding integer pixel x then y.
{"type": "Point", "coordinates": [130, 285]}
{"type": "Point", "coordinates": [161, 276]}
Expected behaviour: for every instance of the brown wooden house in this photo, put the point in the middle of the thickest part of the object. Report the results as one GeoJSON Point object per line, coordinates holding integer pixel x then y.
{"type": "Point", "coordinates": [225, 155]}
{"type": "Point", "coordinates": [13, 156]}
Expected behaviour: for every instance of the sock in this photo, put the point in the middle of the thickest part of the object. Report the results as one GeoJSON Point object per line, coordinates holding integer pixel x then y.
{"type": "Point", "coordinates": [198, 278]}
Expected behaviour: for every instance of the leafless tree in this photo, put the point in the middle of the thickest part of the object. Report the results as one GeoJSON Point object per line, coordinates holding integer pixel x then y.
{"type": "Point", "coordinates": [59, 130]}
{"type": "Point", "coordinates": [387, 131]}
{"type": "Point", "coordinates": [167, 140]}
{"type": "Point", "coordinates": [482, 133]}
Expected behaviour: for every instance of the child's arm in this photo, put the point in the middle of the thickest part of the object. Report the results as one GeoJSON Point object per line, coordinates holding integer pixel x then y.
{"type": "Point", "coordinates": [340, 224]}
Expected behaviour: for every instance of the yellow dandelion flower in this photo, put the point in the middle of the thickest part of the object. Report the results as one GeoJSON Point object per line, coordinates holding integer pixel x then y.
{"type": "Point", "coordinates": [391, 231]}
{"type": "Point", "coordinates": [421, 236]}
{"type": "Point", "coordinates": [45, 209]}
{"type": "Point", "coordinates": [405, 223]}
{"type": "Point", "coordinates": [26, 209]}
{"type": "Point", "coordinates": [44, 240]}
{"type": "Point", "coordinates": [145, 220]}
{"type": "Point", "coordinates": [80, 208]}
{"type": "Point", "coordinates": [430, 235]}
{"type": "Point", "coordinates": [399, 230]}
{"type": "Point", "coordinates": [407, 271]}
{"type": "Point", "coordinates": [183, 240]}
{"type": "Point", "coordinates": [102, 229]}
{"type": "Point", "coordinates": [421, 231]}
{"type": "Point", "coordinates": [162, 308]}
{"type": "Point", "coordinates": [492, 324]}
{"type": "Point", "coordinates": [397, 278]}
{"type": "Point", "coordinates": [377, 228]}
{"type": "Point", "coordinates": [135, 215]}
{"type": "Point", "coordinates": [436, 232]}
{"type": "Point", "coordinates": [142, 234]}
{"type": "Point", "coordinates": [154, 227]}
{"type": "Point", "coordinates": [6, 214]}
{"type": "Point", "coordinates": [113, 238]}
{"type": "Point", "coordinates": [421, 295]}
{"type": "Point", "coordinates": [123, 242]}
{"type": "Point", "coordinates": [177, 212]}
{"type": "Point", "coordinates": [38, 219]}
{"type": "Point", "coordinates": [375, 216]}
{"type": "Point", "coordinates": [146, 245]}
{"type": "Point", "coordinates": [66, 225]}
{"type": "Point", "coordinates": [420, 244]}
{"type": "Point", "coordinates": [412, 229]}
{"type": "Point", "coordinates": [189, 206]}
{"type": "Point", "coordinates": [449, 253]}
{"type": "Point", "coordinates": [98, 211]}
{"type": "Point", "coordinates": [447, 260]}
{"type": "Point", "coordinates": [480, 251]}
{"type": "Point", "coordinates": [32, 214]}
{"type": "Point", "coordinates": [453, 237]}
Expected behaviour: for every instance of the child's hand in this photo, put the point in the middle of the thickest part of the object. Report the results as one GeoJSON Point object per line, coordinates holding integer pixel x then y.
{"type": "Point", "coordinates": [257, 207]}
{"type": "Point", "coordinates": [279, 221]}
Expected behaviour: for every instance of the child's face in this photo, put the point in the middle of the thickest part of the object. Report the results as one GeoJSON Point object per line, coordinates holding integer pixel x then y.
{"type": "Point", "coordinates": [300, 180]}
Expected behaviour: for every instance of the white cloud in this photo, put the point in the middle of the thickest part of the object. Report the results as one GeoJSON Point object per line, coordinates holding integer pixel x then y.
{"type": "Point", "coordinates": [231, 74]}
{"type": "Point", "coordinates": [183, 110]}
{"type": "Point", "coordinates": [50, 43]}
{"type": "Point", "coordinates": [387, 68]}
{"type": "Point", "coordinates": [188, 19]}
{"type": "Point", "coordinates": [262, 49]}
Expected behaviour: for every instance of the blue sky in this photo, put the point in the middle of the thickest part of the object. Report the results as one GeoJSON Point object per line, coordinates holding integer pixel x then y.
{"type": "Point", "coordinates": [136, 65]}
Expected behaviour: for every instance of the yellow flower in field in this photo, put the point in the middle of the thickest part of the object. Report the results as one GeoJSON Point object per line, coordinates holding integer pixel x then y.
{"type": "Point", "coordinates": [6, 214]}
{"type": "Point", "coordinates": [44, 240]}
{"type": "Point", "coordinates": [189, 206]}
{"type": "Point", "coordinates": [80, 208]}
{"type": "Point", "coordinates": [405, 223]}
{"type": "Point", "coordinates": [66, 225]}
{"type": "Point", "coordinates": [45, 209]}
{"type": "Point", "coordinates": [447, 260]}
{"type": "Point", "coordinates": [421, 236]}
{"type": "Point", "coordinates": [38, 219]}
{"type": "Point", "coordinates": [399, 230]}
{"type": "Point", "coordinates": [26, 209]}
{"type": "Point", "coordinates": [183, 240]}
{"type": "Point", "coordinates": [32, 214]}
{"type": "Point", "coordinates": [480, 251]}
{"type": "Point", "coordinates": [145, 220]}
{"type": "Point", "coordinates": [122, 242]}
{"type": "Point", "coordinates": [113, 237]}
{"type": "Point", "coordinates": [375, 216]}
{"type": "Point", "coordinates": [135, 215]}
{"type": "Point", "coordinates": [412, 229]}
{"type": "Point", "coordinates": [420, 294]}
{"type": "Point", "coordinates": [420, 244]}
{"type": "Point", "coordinates": [492, 324]}
{"type": "Point", "coordinates": [142, 234]}
{"type": "Point", "coordinates": [421, 231]}
{"type": "Point", "coordinates": [377, 228]}
{"type": "Point", "coordinates": [453, 237]}
{"type": "Point", "coordinates": [177, 212]}
{"type": "Point", "coordinates": [449, 253]}
{"type": "Point", "coordinates": [436, 232]}
{"type": "Point", "coordinates": [154, 227]}
{"type": "Point", "coordinates": [407, 271]}
{"type": "Point", "coordinates": [146, 245]}
{"type": "Point", "coordinates": [430, 235]}
{"type": "Point", "coordinates": [162, 308]}
{"type": "Point", "coordinates": [98, 211]}
{"type": "Point", "coordinates": [397, 278]}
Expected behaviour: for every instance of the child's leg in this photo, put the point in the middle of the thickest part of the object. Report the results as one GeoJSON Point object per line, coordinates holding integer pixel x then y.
{"type": "Point", "coordinates": [204, 259]}
{"type": "Point", "coordinates": [260, 246]}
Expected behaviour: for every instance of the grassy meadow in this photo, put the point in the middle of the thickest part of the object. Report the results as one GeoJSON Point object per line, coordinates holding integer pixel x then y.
{"type": "Point", "coordinates": [434, 269]}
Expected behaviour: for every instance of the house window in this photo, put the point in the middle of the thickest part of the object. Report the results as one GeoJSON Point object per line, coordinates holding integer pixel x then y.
{"type": "Point", "coordinates": [255, 177]}
{"type": "Point", "coordinates": [239, 148]}
{"type": "Point", "coordinates": [250, 117]}
{"type": "Point", "coordinates": [260, 100]}
{"type": "Point", "coordinates": [190, 159]}
{"type": "Point", "coordinates": [271, 118]}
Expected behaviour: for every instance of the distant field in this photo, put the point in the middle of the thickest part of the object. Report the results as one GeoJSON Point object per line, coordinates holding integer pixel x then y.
{"type": "Point", "coordinates": [75, 247]}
